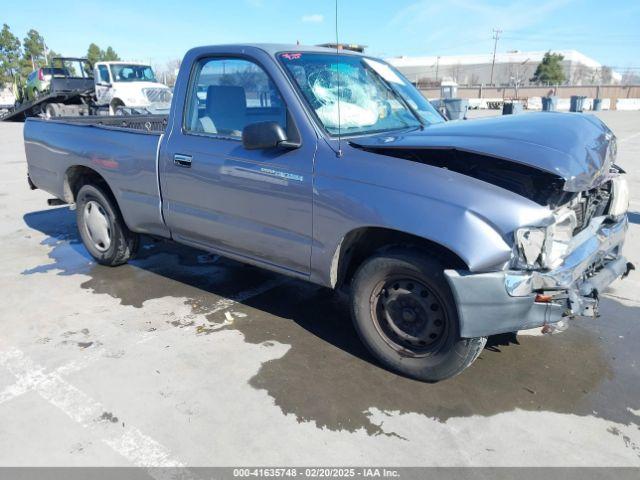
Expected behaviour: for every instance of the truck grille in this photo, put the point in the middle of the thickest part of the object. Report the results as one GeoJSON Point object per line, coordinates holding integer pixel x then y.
{"type": "Point", "coordinates": [158, 95]}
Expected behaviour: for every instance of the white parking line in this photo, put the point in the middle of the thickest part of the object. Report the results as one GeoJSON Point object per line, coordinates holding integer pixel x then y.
{"type": "Point", "coordinates": [626, 139]}
{"type": "Point", "coordinates": [89, 356]}
{"type": "Point", "coordinates": [129, 441]}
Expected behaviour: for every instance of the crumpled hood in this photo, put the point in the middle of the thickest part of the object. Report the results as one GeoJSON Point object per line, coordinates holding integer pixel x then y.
{"type": "Point", "coordinates": [576, 147]}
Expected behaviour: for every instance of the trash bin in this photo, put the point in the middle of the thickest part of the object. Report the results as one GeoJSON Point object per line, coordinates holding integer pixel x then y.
{"type": "Point", "coordinates": [511, 108]}
{"type": "Point", "coordinates": [577, 103]}
{"type": "Point", "coordinates": [597, 104]}
{"type": "Point", "coordinates": [549, 104]}
{"type": "Point", "coordinates": [456, 108]}
{"type": "Point", "coordinates": [437, 104]}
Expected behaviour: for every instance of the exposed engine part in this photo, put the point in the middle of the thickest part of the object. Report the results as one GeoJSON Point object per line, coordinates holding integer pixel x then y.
{"type": "Point", "coordinates": [542, 187]}
{"type": "Point", "coordinates": [589, 204]}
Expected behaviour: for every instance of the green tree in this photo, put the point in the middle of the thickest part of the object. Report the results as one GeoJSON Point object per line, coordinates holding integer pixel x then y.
{"type": "Point", "coordinates": [33, 52]}
{"type": "Point", "coordinates": [109, 55]}
{"type": "Point", "coordinates": [94, 54]}
{"type": "Point", "coordinates": [549, 71]}
{"type": "Point", "coordinates": [9, 56]}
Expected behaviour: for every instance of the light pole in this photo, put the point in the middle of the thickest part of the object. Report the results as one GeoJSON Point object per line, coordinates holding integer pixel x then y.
{"type": "Point", "coordinates": [496, 35]}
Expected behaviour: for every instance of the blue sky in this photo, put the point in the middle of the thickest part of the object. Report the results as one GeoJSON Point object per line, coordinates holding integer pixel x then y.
{"type": "Point", "coordinates": [159, 30]}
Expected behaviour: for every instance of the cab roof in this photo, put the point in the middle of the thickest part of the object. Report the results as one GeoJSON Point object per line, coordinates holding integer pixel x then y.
{"type": "Point", "coordinates": [275, 48]}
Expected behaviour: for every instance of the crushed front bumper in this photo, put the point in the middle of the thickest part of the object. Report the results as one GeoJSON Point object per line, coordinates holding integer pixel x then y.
{"type": "Point", "coordinates": [505, 301]}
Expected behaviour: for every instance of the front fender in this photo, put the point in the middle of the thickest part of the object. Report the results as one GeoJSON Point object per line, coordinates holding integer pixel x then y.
{"type": "Point", "coordinates": [469, 217]}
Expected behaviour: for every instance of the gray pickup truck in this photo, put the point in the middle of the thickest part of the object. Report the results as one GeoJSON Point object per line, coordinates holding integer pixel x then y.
{"type": "Point", "coordinates": [332, 168]}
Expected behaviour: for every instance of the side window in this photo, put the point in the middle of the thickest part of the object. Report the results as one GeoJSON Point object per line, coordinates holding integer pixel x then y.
{"type": "Point", "coordinates": [103, 73]}
{"type": "Point", "coordinates": [228, 94]}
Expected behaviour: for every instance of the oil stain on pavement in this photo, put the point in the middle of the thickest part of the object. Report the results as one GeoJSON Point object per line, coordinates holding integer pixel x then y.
{"type": "Point", "coordinates": [327, 377]}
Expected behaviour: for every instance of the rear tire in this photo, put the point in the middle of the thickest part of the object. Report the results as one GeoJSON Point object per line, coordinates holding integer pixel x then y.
{"type": "Point", "coordinates": [101, 227]}
{"type": "Point", "coordinates": [405, 314]}
{"type": "Point", "coordinates": [51, 111]}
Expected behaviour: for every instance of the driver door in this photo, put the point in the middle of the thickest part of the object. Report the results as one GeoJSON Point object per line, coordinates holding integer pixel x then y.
{"type": "Point", "coordinates": [104, 90]}
{"type": "Point", "coordinates": [252, 204]}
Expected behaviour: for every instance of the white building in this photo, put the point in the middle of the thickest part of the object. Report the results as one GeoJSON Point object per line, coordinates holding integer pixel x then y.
{"type": "Point", "coordinates": [510, 68]}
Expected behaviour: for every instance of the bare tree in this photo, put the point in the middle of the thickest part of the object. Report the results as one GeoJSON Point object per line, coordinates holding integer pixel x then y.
{"type": "Point", "coordinates": [606, 74]}
{"type": "Point", "coordinates": [457, 72]}
{"type": "Point", "coordinates": [168, 72]}
{"type": "Point", "coordinates": [581, 75]}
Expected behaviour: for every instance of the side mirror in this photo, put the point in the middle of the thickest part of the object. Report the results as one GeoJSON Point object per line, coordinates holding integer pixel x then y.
{"type": "Point", "coordinates": [265, 135]}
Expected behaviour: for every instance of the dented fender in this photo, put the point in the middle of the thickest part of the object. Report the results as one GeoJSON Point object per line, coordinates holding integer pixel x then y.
{"type": "Point", "coordinates": [472, 218]}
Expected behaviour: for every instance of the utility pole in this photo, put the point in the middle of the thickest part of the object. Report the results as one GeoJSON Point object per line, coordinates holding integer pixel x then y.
{"type": "Point", "coordinates": [496, 35]}
{"type": "Point", "coordinates": [437, 65]}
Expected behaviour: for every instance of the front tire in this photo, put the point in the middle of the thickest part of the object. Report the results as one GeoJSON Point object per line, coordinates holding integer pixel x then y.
{"type": "Point", "coordinates": [405, 314]}
{"type": "Point", "coordinates": [115, 107]}
{"type": "Point", "coordinates": [102, 229]}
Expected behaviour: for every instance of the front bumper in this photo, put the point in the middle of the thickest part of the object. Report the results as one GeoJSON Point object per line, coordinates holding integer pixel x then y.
{"type": "Point", "coordinates": [505, 301]}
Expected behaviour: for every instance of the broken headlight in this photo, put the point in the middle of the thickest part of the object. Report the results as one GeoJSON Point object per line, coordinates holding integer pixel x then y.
{"type": "Point", "coordinates": [619, 196]}
{"type": "Point", "coordinates": [529, 247]}
{"type": "Point", "coordinates": [544, 247]}
{"type": "Point", "coordinates": [559, 237]}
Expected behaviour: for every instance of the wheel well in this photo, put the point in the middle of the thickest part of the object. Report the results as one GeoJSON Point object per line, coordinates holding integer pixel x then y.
{"type": "Point", "coordinates": [360, 244]}
{"type": "Point", "coordinates": [79, 175]}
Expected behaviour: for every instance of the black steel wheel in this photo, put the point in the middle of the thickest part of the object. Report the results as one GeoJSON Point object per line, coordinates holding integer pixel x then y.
{"type": "Point", "coordinates": [409, 315]}
{"type": "Point", "coordinates": [405, 314]}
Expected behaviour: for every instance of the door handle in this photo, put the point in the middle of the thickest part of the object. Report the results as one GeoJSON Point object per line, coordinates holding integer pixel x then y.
{"type": "Point", "coordinates": [182, 160]}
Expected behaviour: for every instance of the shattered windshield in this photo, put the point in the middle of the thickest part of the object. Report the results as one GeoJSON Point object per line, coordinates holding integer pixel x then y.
{"type": "Point", "coordinates": [373, 96]}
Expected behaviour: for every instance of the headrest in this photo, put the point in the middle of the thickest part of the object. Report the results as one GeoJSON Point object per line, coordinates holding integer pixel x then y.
{"type": "Point", "coordinates": [226, 98]}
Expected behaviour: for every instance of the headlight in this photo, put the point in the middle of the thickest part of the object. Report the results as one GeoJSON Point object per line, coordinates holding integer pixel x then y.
{"type": "Point", "coordinates": [559, 236]}
{"type": "Point", "coordinates": [545, 247]}
{"type": "Point", "coordinates": [619, 196]}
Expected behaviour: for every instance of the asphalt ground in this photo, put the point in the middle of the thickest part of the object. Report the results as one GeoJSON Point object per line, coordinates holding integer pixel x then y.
{"type": "Point", "coordinates": [185, 358]}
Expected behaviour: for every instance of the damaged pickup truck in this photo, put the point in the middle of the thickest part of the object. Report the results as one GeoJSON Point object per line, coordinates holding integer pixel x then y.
{"type": "Point", "coordinates": [332, 168]}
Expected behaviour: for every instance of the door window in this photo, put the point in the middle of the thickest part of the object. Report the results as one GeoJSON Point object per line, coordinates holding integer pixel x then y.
{"type": "Point", "coordinates": [227, 94]}
{"type": "Point", "coordinates": [103, 73]}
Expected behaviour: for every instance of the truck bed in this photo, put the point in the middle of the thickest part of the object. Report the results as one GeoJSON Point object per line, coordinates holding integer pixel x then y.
{"type": "Point", "coordinates": [141, 123]}
{"type": "Point", "coordinates": [122, 150]}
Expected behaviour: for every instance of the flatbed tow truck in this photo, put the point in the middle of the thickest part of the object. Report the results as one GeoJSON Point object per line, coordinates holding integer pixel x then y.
{"type": "Point", "coordinates": [70, 95]}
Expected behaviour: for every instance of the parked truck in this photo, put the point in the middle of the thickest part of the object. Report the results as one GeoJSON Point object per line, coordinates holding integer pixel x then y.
{"type": "Point", "coordinates": [126, 86]}
{"type": "Point", "coordinates": [332, 168]}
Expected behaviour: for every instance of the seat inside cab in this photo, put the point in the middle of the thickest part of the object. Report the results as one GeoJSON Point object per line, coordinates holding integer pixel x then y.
{"type": "Point", "coordinates": [227, 109]}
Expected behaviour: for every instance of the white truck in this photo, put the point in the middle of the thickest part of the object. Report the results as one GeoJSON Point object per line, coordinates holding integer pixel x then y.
{"type": "Point", "coordinates": [125, 87]}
